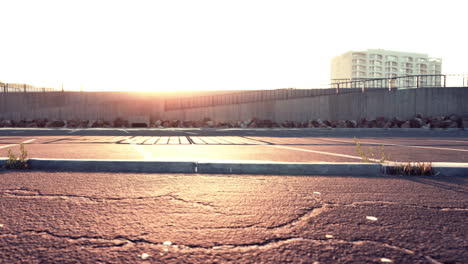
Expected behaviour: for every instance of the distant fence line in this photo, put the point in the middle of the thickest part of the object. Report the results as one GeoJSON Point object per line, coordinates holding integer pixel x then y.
{"type": "Point", "coordinates": [351, 86]}
{"type": "Point", "coordinates": [247, 97]}
{"type": "Point", "coordinates": [407, 81]}
{"type": "Point", "coordinates": [21, 87]}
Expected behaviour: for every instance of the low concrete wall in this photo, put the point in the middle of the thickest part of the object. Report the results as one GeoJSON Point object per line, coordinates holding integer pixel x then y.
{"type": "Point", "coordinates": [69, 105]}
{"type": "Point", "coordinates": [110, 105]}
{"type": "Point", "coordinates": [371, 104]}
{"type": "Point", "coordinates": [88, 105]}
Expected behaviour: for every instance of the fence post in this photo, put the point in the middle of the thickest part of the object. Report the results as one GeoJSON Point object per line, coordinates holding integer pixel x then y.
{"type": "Point", "coordinates": [363, 86]}
{"type": "Point", "coordinates": [389, 85]}
{"type": "Point", "coordinates": [417, 81]}
{"type": "Point", "coordinates": [337, 88]}
{"type": "Point", "coordinates": [445, 81]}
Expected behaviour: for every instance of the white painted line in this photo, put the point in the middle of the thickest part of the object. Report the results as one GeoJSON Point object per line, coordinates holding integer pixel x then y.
{"type": "Point", "coordinates": [322, 152]}
{"type": "Point", "coordinates": [73, 131]}
{"type": "Point", "coordinates": [396, 145]}
{"type": "Point", "coordinates": [12, 145]}
{"type": "Point", "coordinates": [123, 130]}
{"type": "Point", "coordinates": [7, 146]}
{"type": "Point", "coordinates": [457, 141]}
{"type": "Point", "coordinates": [192, 133]}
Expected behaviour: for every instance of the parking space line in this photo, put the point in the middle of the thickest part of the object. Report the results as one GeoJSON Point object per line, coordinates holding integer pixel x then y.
{"type": "Point", "coordinates": [395, 145]}
{"type": "Point", "coordinates": [140, 139]}
{"type": "Point", "coordinates": [322, 152]}
{"type": "Point", "coordinates": [173, 141]}
{"type": "Point", "coordinates": [212, 140]}
{"type": "Point", "coordinates": [442, 140]}
{"type": "Point", "coordinates": [247, 141]}
{"type": "Point", "coordinates": [116, 139]}
{"type": "Point", "coordinates": [12, 145]}
{"type": "Point", "coordinates": [128, 140]}
{"type": "Point", "coordinates": [197, 140]}
{"type": "Point", "coordinates": [151, 141]}
{"type": "Point", "coordinates": [163, 141]}
{"type": "Point", "coordinates": [7, 146]}
{"type": "Point", "coordinates": [184, 140]}
{"type": "Point", "coordinates": [221, 140]}
{"type": "Point", "coordinates": [234, 141]}
{"type": "Point", "coordinates": [266, 140]}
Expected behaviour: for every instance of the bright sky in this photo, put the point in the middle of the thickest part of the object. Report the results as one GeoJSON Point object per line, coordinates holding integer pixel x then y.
{"type": "Point", "coordinates": [194, 45]}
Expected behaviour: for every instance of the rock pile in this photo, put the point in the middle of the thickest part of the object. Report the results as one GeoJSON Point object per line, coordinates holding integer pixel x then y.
{"type": "Point", "coordinates": [418, 121]}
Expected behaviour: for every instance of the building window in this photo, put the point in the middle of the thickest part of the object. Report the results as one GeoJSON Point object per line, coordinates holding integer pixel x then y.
{"type": "Point", "coordinates": [407, 59]}
{"type": "Point", "coordinates": [359, 74]}
{"type": "Point", "coordinates": [359, 61]}
{"type": "Point", "coordinates": [421, 60]}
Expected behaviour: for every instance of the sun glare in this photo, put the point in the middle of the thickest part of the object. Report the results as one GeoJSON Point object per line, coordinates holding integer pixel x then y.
{"type": "Point", "coordinates": [207, 45]}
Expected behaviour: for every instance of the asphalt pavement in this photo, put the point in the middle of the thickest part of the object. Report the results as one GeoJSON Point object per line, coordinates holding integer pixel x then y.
{"type": "Point", "coordinates": [280, 145]}
{"type": "Point", "coordinates": [177, 218]}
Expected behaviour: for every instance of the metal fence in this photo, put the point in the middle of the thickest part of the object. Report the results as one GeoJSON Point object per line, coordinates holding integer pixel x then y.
{"type": "Point", "coordinates": [351, 86]}
{"type": "Point", "coordinates": [21, 87]}
{"type": "Point", "coordinates": [404, 82]}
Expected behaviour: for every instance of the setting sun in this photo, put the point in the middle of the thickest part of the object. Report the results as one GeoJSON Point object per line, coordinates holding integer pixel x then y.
{"type": "Point", "coordinates": [209, 45]}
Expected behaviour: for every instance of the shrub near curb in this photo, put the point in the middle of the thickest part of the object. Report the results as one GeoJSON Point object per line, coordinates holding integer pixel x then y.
{"type": "Point", "coordinates": [17, 163]}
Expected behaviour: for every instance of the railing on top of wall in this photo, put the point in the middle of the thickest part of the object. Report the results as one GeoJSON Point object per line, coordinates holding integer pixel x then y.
{"type": "Point", "coordinates": [21, 87]}
{"type": "Point", "coordinates": [361, 85]}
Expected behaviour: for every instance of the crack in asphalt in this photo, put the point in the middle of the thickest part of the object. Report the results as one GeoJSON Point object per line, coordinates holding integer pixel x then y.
{"type": "Point", "coordinates": [309, 213]}
{"type": "Point", "coordinates": [33, 193]}
{"type": "Point", "coordinates": [121, 241]}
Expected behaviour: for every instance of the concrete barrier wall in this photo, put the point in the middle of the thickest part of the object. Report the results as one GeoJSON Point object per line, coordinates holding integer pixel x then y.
{"type": "Point", "coordinates": [371, 104]}
{"type": "Point", "coordinates": [110, 105]}
{"type": "Point", "coordinates": [88, 105]}
{"type": "Point", "coordinates": [69, 105]}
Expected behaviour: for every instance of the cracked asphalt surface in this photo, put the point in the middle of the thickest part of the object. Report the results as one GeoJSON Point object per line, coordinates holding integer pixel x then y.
{"type": "Point", "coordinates": [160, 218]}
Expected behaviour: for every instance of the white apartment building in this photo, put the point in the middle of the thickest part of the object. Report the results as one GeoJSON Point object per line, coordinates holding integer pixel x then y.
{"type": "Point", "coordinates": [379, 63]}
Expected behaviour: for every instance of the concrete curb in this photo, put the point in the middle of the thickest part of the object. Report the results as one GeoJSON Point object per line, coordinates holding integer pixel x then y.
{"type": "Point", "coordinates": [277, 168]}
{"type": "Point", "coordinates": [231, 167]}
{"type": "Point", "coordinates": [110, 165]}
{"type": "Point", "coordinates": [237, 129]}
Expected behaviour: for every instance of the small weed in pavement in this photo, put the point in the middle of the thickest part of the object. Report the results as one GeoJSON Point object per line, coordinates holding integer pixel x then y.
{"type": "Point", "coordinates": [407, 168]}
{"type": "Point", "coordinates": [412, 169]}
{"type": "Point", "coordinates": [369, 155]}
{"type": "Point", "coordinates": [17, 163]}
